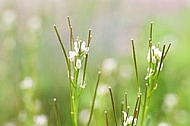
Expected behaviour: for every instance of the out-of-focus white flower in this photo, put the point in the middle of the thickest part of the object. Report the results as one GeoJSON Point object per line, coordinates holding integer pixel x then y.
{"type": "Point", "coordinates": [109, 66]}
{"type": "Point", "coordinates": [170, 101]}
{"type": "Point", "coordinates": [102, 90]}
{"type": "Point", "coordinates": [9, 17]}
{"type": "Point", "coordinates": [40, 120]}
{"type": "Point", "coordinates": [9, 124]}
{"type": "Point", "coordinates": [34, 23]}
{"type": "Point", "coordinates": [83, 115]}
{"type": "Point", "coordinates": [78, 64]}
{"type": "Point", "coordinates": [164, 124]}
{"type": "Point", "coordinates": [27, 83]}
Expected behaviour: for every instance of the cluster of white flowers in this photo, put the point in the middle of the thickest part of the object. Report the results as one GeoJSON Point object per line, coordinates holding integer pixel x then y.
{"type": "Point", "coordinates": [79, 50]}
{"type": "Point", "coordinates": [154, 57]}
{"type": "Point", "coordinates": [154, 53]}
{"type": "Point", "coordinates": [128, 120]}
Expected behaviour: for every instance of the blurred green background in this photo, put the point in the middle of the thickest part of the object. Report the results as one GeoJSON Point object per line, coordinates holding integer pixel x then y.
{"type": "Point", "coordinates": [33, 70]}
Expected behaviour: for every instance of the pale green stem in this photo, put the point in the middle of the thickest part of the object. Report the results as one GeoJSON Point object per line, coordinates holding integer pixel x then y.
{"type": "Point", "coordinates": [106, 115]}
{"type": "Point", "coordinates": [57, 112]}
{"type": "Point", "coordinates": [136, 69]}
{"type": "Point", "coordinates": [93, 101]}
{"type": "Point", "coordinates": [145, 105]}
{"type": "Point", "coordinates": [113, 105]}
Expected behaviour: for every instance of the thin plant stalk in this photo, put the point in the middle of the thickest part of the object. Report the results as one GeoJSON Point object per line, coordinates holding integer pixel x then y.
{"type": "Point", "coordinates": [71, 33]}
{"type": "Point", "coordinates": [57, 112]}
{"type": "Point", "coordinates": [122, 118]}
{"type": "Point", "coordinates": [126, 101]}
{"type": "Point", "coordinates": [151, 27]}
{"type": "Point", "coordinates": [144, 111]}
{"type": "Point", "coordinates": [86, 59]}
{"type": "Point", "coordinates": [113, 105]}
{"type": "Point", "coordinates": [135, 62]}
{"type": "Point", "coordinates": [106, 116]}
{"type": "Point", "coordinates": [62, 46]}
{"type": "Point", "coordinates": [93, 101]}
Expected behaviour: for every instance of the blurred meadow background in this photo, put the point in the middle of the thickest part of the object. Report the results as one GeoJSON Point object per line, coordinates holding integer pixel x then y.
{"type": "Point", "coordinates": [33, 69]}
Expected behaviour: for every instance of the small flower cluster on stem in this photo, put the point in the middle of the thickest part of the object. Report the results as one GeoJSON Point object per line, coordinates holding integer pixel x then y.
{"type": "Point", "coordinates": [126, 120]}
{"type": "Point", "coordinates": [76, 61]}
{"type": "Point", "coordinates": [131, 120]}
{"type": "Point", "coordinates": [155, 58]}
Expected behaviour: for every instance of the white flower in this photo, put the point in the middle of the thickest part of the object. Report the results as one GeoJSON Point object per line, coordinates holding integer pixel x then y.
{"type": "Point", "coordinates": [124, 117]}
{"type": "Point", "coordinates": [155, 54]}
{"type": "Point", "coordinates": [40, 120]}
{"type": "Point", "coordinates": [27, 83]}
{"type": "Point", "coordinates": [150, 72]}
{"type": "Point", "coordinates": [72, 55]}
{"type": "Point", "coordinates": [109, 66]}
{"type": "Point", "coordinates": [84, 48]}
{"type": "Point", "coordinates": [76, 47]}
{"type": "Point", "coordinates": [78, 64]}
{"type": "Point", "coordinates": [163, 124]}
{"type": "Point", "coordinates": [128, 120]}
{"type": "Point", "coordinates": [83, 85]}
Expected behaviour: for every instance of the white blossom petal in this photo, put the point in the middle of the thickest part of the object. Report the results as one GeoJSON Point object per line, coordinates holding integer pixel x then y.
{"type": "Point", "coordinates": [78, 64]}
{"type": "Point", "coordinates": [76, 47]}
{"type": "Point", "coordinates": [72, 55]}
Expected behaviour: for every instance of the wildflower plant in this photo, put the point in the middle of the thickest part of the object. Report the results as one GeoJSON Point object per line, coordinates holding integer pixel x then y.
{"type": "Point", "coordinates": [76, 61]}
{"type": "Point", "coordinates": [155, 58]}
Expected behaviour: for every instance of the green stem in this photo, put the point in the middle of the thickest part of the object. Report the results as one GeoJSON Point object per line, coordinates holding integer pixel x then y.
{"type": "Point", "coordinates": [144, 111]}
{"type": "Point", "coordinates": [75, 98]}
{"type": "Point", "coordinates": [113, 105]}
{"type": "Point", "coordinates": [57, 112]}
{"type": "Point", "coordinates": [93, 101]}
{"type": "Point", "coordinates": [136, 69]}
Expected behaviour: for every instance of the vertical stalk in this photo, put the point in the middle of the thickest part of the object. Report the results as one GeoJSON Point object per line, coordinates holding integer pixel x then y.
{"type": "Point", "coordinates": [57, 112]}
{"type": "Point", "coordinates": [144, 111]}
{"type": "Point", "coordinates": [113, 105]}
{"type": "Point", "coordinates": [106, 115]}
{"type": "Point", "coordinates": [136, 69]}
{"type": "Point", "coordinates": [86, 59]}
{"type": "Point", "coordinates": [93, 101]}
